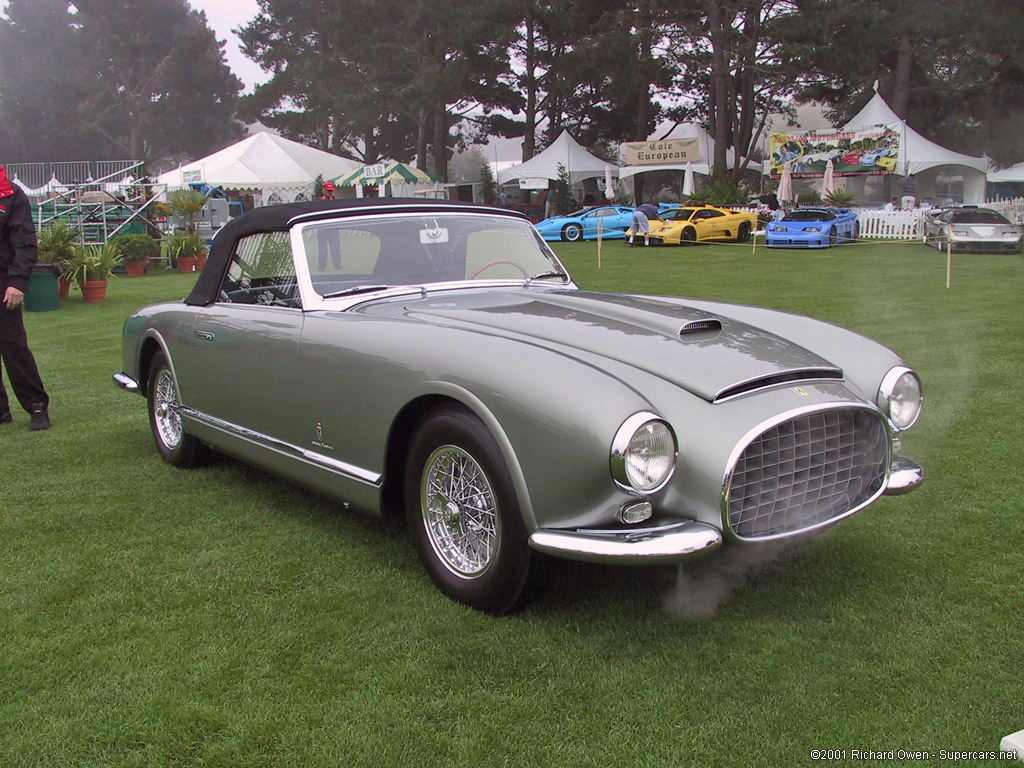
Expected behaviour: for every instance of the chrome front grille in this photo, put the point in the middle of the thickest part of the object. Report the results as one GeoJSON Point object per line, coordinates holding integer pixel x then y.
{"type": "Point", "coordinates": [807, 471]}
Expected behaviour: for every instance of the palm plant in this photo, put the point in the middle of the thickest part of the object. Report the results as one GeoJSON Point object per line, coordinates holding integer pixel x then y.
{"type": "Point", "coordinates": [185, 203]}
{"type": "Point", "coordinates": [841, 198]}
{"type": "Point", "coordinates": [94, 262]}
{"type": "Point", "coordinates": [56, 243]}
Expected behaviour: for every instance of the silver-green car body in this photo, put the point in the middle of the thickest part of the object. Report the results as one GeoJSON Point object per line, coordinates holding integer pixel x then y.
{"type": "Point", "coordinates": [630, 429]}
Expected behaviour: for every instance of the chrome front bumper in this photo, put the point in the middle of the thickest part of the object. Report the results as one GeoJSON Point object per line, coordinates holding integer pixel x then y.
{"type": "Point", "coordinates": [643, 546]}
{"type": "Point", "coordinates": [904, 476]}
{"type": "Point", "coordinates": [126, 382]}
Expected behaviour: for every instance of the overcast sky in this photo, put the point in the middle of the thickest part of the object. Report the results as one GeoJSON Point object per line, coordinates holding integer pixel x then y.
{"type": "Point", "coordinates": [224, 16]}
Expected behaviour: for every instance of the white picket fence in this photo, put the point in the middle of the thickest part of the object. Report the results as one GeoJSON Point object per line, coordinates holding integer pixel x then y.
{"type": "Point", "coordinates": [890, 225]}
{"type": "Point", "coordinates": [1013, 209]}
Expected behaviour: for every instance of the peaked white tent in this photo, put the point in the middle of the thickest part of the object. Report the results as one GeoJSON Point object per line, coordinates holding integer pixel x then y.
{"type": "Point", "coordinates": [921, 158]}
{"type": "Point", "coordinates": [260, 162]}
{"type": "Point", "coordinates": [566, 151]}
{"type": "Point", "coordinates": [707, 154]}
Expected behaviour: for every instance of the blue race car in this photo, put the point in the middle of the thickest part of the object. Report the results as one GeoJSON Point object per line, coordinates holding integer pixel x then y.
{"type": "Point", "coordinates": [582, 225]}
{"type": "Point", "coordinates": [813, 228]}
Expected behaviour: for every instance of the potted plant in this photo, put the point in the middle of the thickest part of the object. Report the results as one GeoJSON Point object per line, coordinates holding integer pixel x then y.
{"type": "Point", "coordinates": [92, 267]}
{"type": "Point", "coordinates": [136, 250]}
{"type": "Point", "coordinates": [187, 249]}
{"type": "Point", "coordinates": [56, 243]}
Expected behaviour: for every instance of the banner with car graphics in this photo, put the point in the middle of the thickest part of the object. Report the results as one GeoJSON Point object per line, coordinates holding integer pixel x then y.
{"type": "Point", "coordinates": [871, 150]}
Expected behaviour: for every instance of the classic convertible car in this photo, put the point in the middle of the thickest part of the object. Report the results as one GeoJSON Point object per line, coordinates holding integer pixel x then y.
{"type": "Point", "coordinates": [613, 221]}
{"type": "Point", "coordinates": [691, 224]}
{"type": "Point", "coordinates": [436, 359]}
{"type": "Point", "coordinates": [813, 228]}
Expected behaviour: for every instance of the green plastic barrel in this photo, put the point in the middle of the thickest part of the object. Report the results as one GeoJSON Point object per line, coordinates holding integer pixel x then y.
{"type": "Point", "coordinates": [41, 295]}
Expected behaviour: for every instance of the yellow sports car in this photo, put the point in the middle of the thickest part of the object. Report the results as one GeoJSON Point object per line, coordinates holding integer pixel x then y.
{"type": "Point", "coordinates": [697, 223]}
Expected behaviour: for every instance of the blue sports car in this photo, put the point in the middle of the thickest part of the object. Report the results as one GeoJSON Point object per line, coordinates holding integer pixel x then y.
{"type": "Point", "coordinates": [582, 225]}
{"type": "Point", "coordinates": [813, 228]}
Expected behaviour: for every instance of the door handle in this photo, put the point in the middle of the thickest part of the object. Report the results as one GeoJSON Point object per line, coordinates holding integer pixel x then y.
{"type": "Point", "coordinates": [205, 335]}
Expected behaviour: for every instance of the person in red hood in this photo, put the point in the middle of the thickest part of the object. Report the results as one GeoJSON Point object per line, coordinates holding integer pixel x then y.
{"type": "Point", "coordinates": [17, 257]}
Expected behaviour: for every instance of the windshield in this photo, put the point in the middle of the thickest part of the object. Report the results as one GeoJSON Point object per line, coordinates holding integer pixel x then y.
{"type": "Point", "coordinates": [677, 214]}
{"type": "Point", "coordinates": [377, 252]}
{"type": "Point", "coordinates": [979, 216]}
{"type": "Point", "coordinates": [809, 215]}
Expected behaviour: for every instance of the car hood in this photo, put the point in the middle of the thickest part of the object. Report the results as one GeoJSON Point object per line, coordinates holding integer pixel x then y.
{"type": "Point", "coordinates": [709, 355]}
{"type": "Point", "coordinates": [800, 225]}
{"type": "Point", "coordinates": [555, 221]}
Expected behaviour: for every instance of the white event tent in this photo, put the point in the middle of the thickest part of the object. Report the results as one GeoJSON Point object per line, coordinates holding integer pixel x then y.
{"type": "Point", "coordinates": [923, 159]}
{"type": "Point", "coordinates": [566, 151]}
{"type": "Point", "coordinates": [278, 169]}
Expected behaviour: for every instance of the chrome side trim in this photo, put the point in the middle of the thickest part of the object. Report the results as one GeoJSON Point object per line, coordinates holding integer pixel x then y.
{"type": "Point", "coordinates": [126, 382]}
{"type": "Point", "coordinates": [904, 476]}
{"type": "Point", "coordinates": [665, 544]}
{"type": "Point", "coordinates": [341, 467]}
{"type": "Point", "coordinates": [763, 427]}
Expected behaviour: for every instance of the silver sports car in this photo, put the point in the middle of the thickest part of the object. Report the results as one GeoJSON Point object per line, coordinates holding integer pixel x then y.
{"type": "Point", "coordinates": [969, 228]}
{"type": "Point", "coordinates": [436, 359]}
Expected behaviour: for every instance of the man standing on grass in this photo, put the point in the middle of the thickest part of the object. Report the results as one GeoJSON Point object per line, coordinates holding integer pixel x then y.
{"type": "Point", "coordinates": [17, 257]}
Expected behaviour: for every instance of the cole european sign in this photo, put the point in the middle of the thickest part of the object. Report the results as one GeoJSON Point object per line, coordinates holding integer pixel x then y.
{"type": "Point", "coordinates": [663, 152]}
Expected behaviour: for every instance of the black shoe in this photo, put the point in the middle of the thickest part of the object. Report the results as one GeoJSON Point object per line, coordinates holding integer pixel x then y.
{"type": "Point", "coordinates": [6, 418]}
{"type": "Point", "coordinates": [40, 419]}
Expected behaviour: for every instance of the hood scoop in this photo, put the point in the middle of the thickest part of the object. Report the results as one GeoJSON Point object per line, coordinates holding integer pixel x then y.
{"type": "Point", "coordinates": [703, 328]}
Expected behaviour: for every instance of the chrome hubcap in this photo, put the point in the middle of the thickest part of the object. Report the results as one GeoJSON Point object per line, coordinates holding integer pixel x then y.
{"type": "Point", "coordinates": [165, 411]}
{"type": "Point", "coordinates": [459, 512]}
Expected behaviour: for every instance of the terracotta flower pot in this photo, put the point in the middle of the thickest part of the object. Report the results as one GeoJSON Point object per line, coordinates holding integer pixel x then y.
{"type": "Point", "coordinates": [93, 291]}
{"type": "Point", "coordinates": [136, 267]}
{"type": "Point", "coordinates": [186, 263]}
{"type": "Point", "coordinates": [63, 289]}
{"type": "Point", "coordinates": [200, 261]}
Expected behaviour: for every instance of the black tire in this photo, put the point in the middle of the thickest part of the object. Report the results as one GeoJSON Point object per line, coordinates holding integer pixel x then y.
{"type": "Point", "coordinates": [175, 445]}
{"type": "Point", "coordinates": [743, 235]}
{"type": "Point", "coordinates": [832, 238]}
{"type": "Point", "coordinates": [484, 561]}
{"type": "Point", "coordinates": [689, 236]}
{"type": "Point", "coordinates": [572, 232]}
{"type": "Point", "coordinates": [856, 232]}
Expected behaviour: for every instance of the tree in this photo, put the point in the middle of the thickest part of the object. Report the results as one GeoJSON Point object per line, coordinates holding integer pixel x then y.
{"type": "Point", "coordinates": [961, 90]}
{"type": "Point", "coordinates": [37, 87]}
{"type": "Point", "coordinates": [732, 72]}
{"type": "Point", "coordinates": [138, 79]}
{"type": "Point", "coordinates": [488, 186]}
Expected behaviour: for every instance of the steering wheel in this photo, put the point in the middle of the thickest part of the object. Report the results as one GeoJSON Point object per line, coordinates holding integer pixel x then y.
{"type": "Point", "coordinates": [494, 263]}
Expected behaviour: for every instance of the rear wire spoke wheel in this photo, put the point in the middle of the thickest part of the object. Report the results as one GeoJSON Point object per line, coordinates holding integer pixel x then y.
{"type": "Point", "coordinates": [175, 445]}
{"type": "Point", "coordinates": [464, 515]}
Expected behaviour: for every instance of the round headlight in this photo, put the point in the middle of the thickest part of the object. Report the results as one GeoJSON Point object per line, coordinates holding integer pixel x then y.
{"type": "Point", "coordinates": [900, 397]}
{"type": "Point", "coordinates": [643, 454]}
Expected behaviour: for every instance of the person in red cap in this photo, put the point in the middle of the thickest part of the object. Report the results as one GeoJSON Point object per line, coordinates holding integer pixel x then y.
{"type": "Point", "coordinates": [17, 257]}
{"type": "Point", "coordinates": [328, 239]}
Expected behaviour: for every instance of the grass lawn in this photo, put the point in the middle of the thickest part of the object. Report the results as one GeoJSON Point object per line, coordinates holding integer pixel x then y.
{"type": "Point", "coordinates": [157, 617]}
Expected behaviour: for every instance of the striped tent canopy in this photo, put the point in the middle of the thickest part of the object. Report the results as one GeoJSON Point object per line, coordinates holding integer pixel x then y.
{"type": "Point", "coordinates": [394, 173]}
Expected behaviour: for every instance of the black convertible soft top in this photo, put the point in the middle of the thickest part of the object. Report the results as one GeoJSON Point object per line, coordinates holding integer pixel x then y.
{"type": "Point", "coordinates": [280, 217]}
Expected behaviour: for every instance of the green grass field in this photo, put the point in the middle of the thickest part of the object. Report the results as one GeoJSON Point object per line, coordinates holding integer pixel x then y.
{"type": "Point", "coordinates": [156, 617]}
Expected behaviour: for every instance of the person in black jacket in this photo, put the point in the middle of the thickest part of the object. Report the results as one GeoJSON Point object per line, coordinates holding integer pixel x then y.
{"type": "Point", "coordinates": [17, 257]}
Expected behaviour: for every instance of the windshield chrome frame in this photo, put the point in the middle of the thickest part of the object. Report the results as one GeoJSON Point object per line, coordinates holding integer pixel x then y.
{"type": "Point", "coordinates": [312, 300]}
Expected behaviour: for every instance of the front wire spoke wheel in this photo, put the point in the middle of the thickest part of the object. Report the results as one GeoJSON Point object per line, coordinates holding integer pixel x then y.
{"type": "Point", "coordinates": [167, 415]}
{"type": "Point", "coordinates": [459, 512]}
